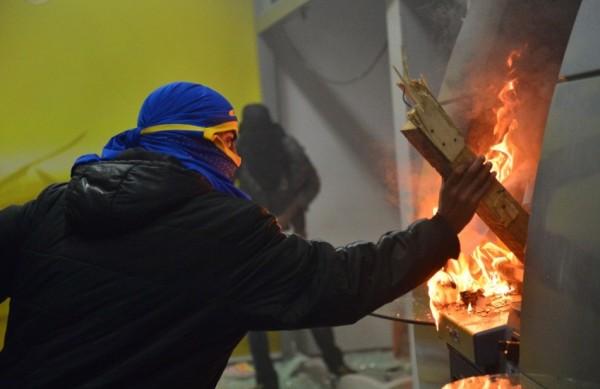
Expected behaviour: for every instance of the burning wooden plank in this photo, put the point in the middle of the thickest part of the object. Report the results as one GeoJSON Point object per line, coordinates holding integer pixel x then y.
{"type": "Point", "coordinates": [431, 131]}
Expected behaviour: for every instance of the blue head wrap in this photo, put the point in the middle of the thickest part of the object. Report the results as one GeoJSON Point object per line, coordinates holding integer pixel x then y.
{"type": "Point", "coordinates": [180, 120]}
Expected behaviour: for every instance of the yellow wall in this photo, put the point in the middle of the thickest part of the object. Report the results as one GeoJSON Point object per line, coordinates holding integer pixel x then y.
{"type": "Point", "coordinates": [74, 72]}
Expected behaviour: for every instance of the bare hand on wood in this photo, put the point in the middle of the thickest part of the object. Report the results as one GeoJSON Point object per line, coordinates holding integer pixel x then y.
{"type": "Point", "coordinates": [462, 191]}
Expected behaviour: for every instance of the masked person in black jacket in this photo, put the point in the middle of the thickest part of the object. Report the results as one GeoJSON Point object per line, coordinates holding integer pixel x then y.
{"type": "Point", "coordinates": [278, 175]}
{"type": "Point", "coordinates": [147, 268]}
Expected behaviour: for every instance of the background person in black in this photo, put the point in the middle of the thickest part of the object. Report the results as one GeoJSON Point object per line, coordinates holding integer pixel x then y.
{"type": "Point", "coordinates": [278, 175]}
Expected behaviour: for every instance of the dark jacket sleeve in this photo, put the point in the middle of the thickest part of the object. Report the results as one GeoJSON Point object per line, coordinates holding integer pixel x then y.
{"type": "Point", "coordinates": [305, 183]}
{"type": "Point", "coordinates": [15, 222]}
{"type": "Point", "coordinates": [289, 282]}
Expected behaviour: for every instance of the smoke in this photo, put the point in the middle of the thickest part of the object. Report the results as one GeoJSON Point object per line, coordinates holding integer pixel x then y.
{"type": "Point", "coordinates": [442, 18]}
{"type": "Point", "coordinates": [540, 30]}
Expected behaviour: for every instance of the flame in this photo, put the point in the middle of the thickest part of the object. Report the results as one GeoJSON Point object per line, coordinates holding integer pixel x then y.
{"type": "Point", "coordinates": [490, 269]}
{"type": "Point", "coordinates": [505, 114]}
{"type": "Point", "coordinates": [501, 154]}
{"type": "Point", "coordinates": [501, 158]}
{"type": "Point", "coordinates": [515, 54]}
{"type": "Point", "coordinates": [483, 271]}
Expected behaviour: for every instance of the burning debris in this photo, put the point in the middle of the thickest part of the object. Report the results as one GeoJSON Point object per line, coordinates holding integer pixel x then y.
{"type": "Point", "coordinates": [469, 298]}
{"type": "Point", "coordinates": [469, 282]}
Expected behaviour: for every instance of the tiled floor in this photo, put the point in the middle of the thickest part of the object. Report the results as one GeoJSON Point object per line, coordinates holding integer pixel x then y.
{"type": "Point", "coordinates": [300, 372]}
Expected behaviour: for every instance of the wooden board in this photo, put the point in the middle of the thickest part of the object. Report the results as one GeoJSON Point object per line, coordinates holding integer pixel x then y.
{"type": "Point", "coordinates": [431, 131]}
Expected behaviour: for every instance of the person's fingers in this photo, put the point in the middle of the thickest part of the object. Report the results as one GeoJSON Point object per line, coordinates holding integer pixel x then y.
{"type": "Point", "coordinates": [480, 179]}
{"type": "Point", "coordinates": [456, 175]}
{"type": "Point", "coordinates": [460, 169]}
{"type": "Point", "coordinates": [470, 173]}
{"type": "Point", "coordinates": [474, 169]}
{"type": "Point", "coordinates": [464, 186]}
{"type": "Point", "coordinates": [483, 189]}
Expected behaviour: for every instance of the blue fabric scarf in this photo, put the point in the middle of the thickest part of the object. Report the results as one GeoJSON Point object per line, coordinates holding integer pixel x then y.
{"type": "Point", "coordinates": [180, 103]}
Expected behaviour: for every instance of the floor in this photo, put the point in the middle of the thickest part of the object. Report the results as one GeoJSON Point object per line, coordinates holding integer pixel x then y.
{"type": "Point", "coordinates": [375, 369]}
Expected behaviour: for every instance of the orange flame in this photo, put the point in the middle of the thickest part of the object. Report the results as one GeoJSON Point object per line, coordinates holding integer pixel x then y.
{"type": "Point", "coordinates": [515, 54]}
{"type": "Point", "coordinates": [501, 154]}
{"type": "Point", "coordinates": [490, 269]}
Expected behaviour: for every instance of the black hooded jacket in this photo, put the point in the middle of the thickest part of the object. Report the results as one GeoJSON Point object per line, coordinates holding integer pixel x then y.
{"type": "Point", "coordinates": [136, 274]}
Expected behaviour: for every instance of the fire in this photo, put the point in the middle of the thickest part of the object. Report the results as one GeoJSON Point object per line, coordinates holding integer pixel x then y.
{"type": "Point", "coordinates": [515, 54]}
{"type": "Point", "coordinates": [501, 158]}
{"type": "Point", "coordinates": [490, 270]}
{"type": "Point", "coordinates": [501, 154]}
{"type": "Point", "coordinates": [483, 272]}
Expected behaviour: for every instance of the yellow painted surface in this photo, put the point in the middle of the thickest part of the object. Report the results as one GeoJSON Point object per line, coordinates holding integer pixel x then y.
{"type": "Point", "coordinates": [73, 73]}
{"type": "Point", "coordinates": [3, 317]}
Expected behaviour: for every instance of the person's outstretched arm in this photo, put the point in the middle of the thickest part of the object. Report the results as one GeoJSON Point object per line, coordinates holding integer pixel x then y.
{"type": "Point", "coordinates": [288, 282]}
{"type": "Point", "coordinates": [301, 283]}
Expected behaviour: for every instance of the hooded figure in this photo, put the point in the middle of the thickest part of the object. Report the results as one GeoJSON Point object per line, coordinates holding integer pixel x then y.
{"type": "Point", "coordinates": [276, 173]}
{"type": "Point", "coordinates": [148, 267]}
{"type": "Point", "coordinates": [263, 147]}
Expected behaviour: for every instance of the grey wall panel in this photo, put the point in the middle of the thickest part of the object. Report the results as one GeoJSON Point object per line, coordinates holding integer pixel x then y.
{"type": "Point", "coordinates": [560, 331]}
{"type": "Point", "coordinates": [583, 52]}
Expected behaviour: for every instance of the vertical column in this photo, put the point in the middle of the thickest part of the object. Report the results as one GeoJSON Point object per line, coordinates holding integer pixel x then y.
{"type": "Point", "coordinates": [268, 77]}
{"type": "Point", "coordinates": [403, 159]}
{"type": "Point", "coordinates": [403, 148]}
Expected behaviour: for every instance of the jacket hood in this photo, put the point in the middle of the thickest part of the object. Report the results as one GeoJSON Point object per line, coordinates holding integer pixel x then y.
{"type": "Point", "coordinates": [110, 197]}
{"type": "Point", "coordinates": [256, 115]}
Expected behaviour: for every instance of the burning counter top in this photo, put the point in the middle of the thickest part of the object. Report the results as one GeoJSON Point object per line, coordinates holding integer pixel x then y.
{"type": "Point", "coordinates": [477, 331]}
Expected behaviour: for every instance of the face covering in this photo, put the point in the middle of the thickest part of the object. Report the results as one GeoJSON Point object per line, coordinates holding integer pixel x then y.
{"type": "Point", "coordinates": [180, 120]}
